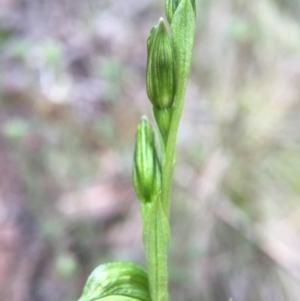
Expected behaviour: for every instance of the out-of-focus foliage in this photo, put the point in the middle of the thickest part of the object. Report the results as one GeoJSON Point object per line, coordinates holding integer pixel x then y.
{"type": "Point", "coordinates": [72, 88]}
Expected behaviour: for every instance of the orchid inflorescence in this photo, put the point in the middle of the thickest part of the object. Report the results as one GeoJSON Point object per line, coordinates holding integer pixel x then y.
{"type": "Point", "coordinates": [168, 68]}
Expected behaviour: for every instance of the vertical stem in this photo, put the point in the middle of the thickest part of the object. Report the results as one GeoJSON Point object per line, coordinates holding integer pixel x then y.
{"type": "Point", "coordinates": [182, 37]}
{"type": "Point", "coordinates": [169, 157]}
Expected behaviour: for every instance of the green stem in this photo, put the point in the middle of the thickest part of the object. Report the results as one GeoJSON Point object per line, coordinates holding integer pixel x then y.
{"type": "Point", "coordinates": [169, 156]}
{"type": "Point", "coordinates": [182, 37]}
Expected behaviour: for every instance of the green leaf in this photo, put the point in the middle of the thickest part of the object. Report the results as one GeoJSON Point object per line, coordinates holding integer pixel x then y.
{"type": "Point", "coordinates": [117, 281]}
{"type": "Point", "coordinates": [171, 6]}
{"type": "Point", "coordinates": [182, 36]}
{"type": "Point", "coordinates": [156, 237]}
{"type": "Point", "coordinates": [182, 33]}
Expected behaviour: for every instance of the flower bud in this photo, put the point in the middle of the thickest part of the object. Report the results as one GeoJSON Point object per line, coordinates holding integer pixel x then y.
{"type": "Point", "coordinates": [160, 78]}
{"type": "Point", "coordinates": [163, 120]}
{"type": "Point", "coordinates": [171, 6]}
{"type": "Point", "coordinates": [146, 167]}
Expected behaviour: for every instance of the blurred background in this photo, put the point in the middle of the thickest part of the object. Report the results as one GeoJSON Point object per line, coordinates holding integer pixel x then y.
{"type": "Point", "coordinates": [72, 89]}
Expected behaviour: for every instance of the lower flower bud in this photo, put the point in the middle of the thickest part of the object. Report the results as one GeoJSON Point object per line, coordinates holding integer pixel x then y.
{"type": "Point", "coordinates": [146, 167]}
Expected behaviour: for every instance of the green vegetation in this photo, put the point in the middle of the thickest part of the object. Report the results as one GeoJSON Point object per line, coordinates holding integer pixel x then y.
{"type": "Point", "coordinates": [72, 91]}
{"type": "Point", "coordinates": [168, 68]}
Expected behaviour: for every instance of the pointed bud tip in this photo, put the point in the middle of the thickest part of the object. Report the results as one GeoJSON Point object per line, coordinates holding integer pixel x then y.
{"type": "Point", "coordinates": [144, 118]}
{"type": "Point", "coordinates": [161, 24]}
{"type": "Point", "coordinates": [161, 21]}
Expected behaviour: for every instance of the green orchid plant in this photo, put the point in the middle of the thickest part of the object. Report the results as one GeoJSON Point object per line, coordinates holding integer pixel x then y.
{"type": "Point", "coordinates": [168, 68]}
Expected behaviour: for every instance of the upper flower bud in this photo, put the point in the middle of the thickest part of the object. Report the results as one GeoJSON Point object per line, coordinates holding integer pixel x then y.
{"type": "Point", "coordinates": [171, 6]}
{"type": "Point", "coordinates": [160, 67]}
{"type": "Point", "coordinates": [146, 167]}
